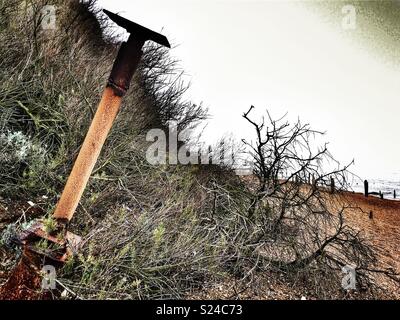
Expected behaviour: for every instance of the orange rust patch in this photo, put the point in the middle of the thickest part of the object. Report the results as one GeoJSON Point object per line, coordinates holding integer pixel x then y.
{"type": "Point", "coordinates": [24, 283]}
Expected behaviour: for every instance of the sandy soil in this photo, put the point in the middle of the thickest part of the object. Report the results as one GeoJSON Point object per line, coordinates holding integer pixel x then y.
{"type": "Point", "coordinates": [379, 221]}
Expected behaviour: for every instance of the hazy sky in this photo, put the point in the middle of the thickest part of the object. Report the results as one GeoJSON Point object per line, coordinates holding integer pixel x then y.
{"type": "Point", "coordinates": [290, 56]}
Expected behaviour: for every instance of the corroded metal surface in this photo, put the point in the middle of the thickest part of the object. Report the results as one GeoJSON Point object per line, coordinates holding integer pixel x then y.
{"type": "Point", "coordinates": [60, 245]}
{"type": "Point", "coordinates": [137, 30]}
{"type": "Point", "coordinates": [25, 281]}
{"type": "Point", "coordinates": [90, 151]}
{"type": "Point", "coordinates": [124, 67]}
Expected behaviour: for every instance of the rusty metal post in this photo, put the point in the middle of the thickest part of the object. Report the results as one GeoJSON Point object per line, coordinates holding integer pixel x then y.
{"type": "Point", "coordinates": [124, 67]}
{"type": "Point", "coordinates": [366, 192]}
{"type": "Point", "coordinates": [118, 83]}
{"type": "Point", "coordinates": [84, 164]}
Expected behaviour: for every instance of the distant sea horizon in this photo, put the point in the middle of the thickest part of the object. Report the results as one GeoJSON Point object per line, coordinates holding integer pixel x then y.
{"type": "Point", "coordinates": [386, 184]}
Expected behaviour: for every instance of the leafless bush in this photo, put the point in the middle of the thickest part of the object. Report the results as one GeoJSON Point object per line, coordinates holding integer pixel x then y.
{"type": "Point", "coordinates": [300, 217]}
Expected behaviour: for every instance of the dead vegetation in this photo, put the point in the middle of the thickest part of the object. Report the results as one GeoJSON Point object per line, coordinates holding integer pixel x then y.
{"type": "Point", "coordinates": [156, 232]}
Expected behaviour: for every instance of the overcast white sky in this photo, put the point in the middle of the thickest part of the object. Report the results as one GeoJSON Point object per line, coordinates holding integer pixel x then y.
{"type": "Point", "coordinates": [286, 57]}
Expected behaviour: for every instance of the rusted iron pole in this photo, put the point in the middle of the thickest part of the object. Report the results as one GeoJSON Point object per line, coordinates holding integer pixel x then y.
{"type": "Point", "coordinates": [90, 151]}
{"type": "Point", "coordinates": [124, 67]}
